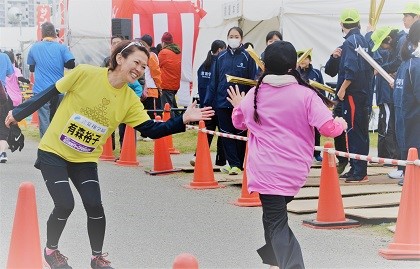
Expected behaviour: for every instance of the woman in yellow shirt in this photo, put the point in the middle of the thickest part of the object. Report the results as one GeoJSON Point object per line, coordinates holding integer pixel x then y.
{"type": "Point", "coordinates": [97, 99]}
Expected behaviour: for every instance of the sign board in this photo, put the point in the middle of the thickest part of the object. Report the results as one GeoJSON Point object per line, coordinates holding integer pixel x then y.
{"type": "Point", "coordinates": [232, 9]}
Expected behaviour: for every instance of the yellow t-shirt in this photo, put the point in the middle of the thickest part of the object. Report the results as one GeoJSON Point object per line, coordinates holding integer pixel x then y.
{"type": "Point", "coordinates": [90, 111]}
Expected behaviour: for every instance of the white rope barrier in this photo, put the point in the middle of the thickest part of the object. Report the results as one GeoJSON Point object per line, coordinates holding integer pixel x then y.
{"type": "Point", "coordinates": [318, 148]}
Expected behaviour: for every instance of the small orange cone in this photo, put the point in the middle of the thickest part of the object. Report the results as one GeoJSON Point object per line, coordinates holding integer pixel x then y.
{"type": "Point", "coordinates": [22, 123]}
{"type": "Point", "coordinates": [330, 214]}
{"type": "Point", "coordinates": [203, 170]}
{"type": "Point", "coordinates": [185, 261]}
{"type": "Point", "coordinates": [128, 155]}
{"type": "Point", "coordinates": [162, 163]}
{"type": "Point", "coordinates": [25, 246]}
{"type": "Point", "coordinates": [406, 244]}
{"type": "Point", "coordinates": [166, 116]}
{"type": "Point", "coordinates": [107, 152]}
{"type": "Point", "coordinates": [247, 199]}
{"type": "Point", "coordinates": [35, 119]}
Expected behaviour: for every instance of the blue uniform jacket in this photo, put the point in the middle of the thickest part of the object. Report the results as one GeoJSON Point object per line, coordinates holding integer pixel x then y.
{"type": "Point", "coordinates": [411, 102]}
{"type": "Point", "coordinates": [203, 80]}
{"type": "Point", "coordinates": [311, 73]}
{"type": "Point", "coordinates": [383, 90]}
{"type": "Point", "coordinates": [352, 66]}
{"type": "Point", "coordinates": [230, 62]}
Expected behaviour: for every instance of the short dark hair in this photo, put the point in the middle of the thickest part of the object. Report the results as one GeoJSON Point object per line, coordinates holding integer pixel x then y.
{"type": "Point", "coordinates": [117, 36]}
{"type": "Point", "coordinates": [48, 30]}
{"type": "Point", "coordinates": [271, 34]}
{"type": "Point", "coordinates": [241, 33]}
{"type": "Point", "coordinates": [351, 25]}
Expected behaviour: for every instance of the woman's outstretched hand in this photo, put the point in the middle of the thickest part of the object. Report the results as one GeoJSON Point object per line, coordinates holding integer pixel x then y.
{"type": "Point", "coordinates": [235, 96]}
{"type": "Point", "coordinates": [193, 113]}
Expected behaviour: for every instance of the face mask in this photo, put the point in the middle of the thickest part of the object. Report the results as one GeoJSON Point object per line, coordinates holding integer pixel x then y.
{"type": "Point", "coordinates": [234, 43]}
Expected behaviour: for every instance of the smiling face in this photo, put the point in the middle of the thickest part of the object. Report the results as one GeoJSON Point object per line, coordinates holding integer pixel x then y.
{"type": "Point", "coordinates": [132, 67]}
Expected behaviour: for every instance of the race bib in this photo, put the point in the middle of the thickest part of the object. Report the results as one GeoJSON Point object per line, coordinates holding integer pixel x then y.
{"type": "Point", "coordinates": [82, 134]}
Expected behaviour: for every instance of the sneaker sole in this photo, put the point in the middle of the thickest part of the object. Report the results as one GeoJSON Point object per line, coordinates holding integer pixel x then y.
{"type": "Point", "coordinates": [357, 181]}
{"type": "Point", "coordinates": [3, 161]}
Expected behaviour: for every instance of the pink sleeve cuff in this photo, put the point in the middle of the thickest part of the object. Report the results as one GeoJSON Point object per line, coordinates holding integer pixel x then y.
{"type": "Point", "coordinates": [331, 129]}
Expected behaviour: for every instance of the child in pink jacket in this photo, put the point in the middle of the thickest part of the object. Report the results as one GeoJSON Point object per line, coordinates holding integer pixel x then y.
{"type": "Point", "coordinates": [280, 114]}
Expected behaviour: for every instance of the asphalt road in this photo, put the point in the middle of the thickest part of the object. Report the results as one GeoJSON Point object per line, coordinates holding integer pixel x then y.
{"type": "Point", "coordinates": [152, 219]}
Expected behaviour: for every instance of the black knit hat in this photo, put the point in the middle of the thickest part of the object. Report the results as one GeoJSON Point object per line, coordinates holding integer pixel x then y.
{"type": "Point", "coordinates": [279, 58]}
{"type": "Point", "coordinates": [148, 39]}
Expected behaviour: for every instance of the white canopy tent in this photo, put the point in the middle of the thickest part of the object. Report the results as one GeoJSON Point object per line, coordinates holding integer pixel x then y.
{"type": "Point", "coordinates": [305, 23]}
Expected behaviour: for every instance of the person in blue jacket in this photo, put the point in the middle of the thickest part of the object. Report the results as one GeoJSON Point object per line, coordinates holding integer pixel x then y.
{"type": "Point", "coordinates": [353, 84]}
{"type": "Point", "coordinates": [308, 72]}
{"type": "Point", "coordinates": [385, 52]}
{"type": "Point", "coordinates": [234, 61]}
{"type": "Point", "coordinates": [407, 90]}
{"type": "Point", "coordinates": [203, 80]}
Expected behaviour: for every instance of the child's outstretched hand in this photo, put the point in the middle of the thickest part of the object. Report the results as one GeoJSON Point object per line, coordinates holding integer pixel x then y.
{"type": "Point", "coordinates": [235, 96]}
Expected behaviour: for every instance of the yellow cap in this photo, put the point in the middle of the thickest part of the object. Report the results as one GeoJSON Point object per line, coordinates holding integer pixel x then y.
{"type": "Point", "coordinates": [412, 7]}
{"type": "Point", "coordinates": [350, 15]}
{"type": "Point", "coordinates": [379, 35]}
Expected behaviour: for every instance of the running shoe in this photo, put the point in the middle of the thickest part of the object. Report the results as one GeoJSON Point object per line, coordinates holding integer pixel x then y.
{"type": "Point", "coordinates": [99, 262]}
{"type": "Point", "coordinates": [225, 169]}
{"type": "Point", "coordinates": [234, 171]}
{"type": "Point", "coordinates": [56, 260]}
{"type": "Point", "coordinates": [3, 157]}
{"type": "Point", "coordinates": [397, 174]}
{"type": "Point", "coordinates": [354, 179]}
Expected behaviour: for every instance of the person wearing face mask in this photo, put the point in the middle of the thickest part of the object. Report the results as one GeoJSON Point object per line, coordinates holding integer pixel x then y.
{"type": "Point", "coordinates": [234, 61]}
{"type": "Point", "coordinates": [97, 100]}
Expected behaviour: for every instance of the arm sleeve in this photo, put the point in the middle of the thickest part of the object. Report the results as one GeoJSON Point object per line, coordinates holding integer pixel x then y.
{"type": "Point", "coordinates": [155, 70]}
{"type": "Point", "coordinates": [69, 64]}
{"type": "Point", "coordinates": [332, 65]}
{"type": "Point", "coordinates": [32, 68]}
{"type": "Point", "coordinates": [38, 100]}
{"type": "Point", "coordinates": [331, 129]}
{"type": "Point", "coordinates": [154, 129]}
{"type": "Point", "coordinates": [238, 119]}
{"type": "Point", "coordinates": [212, 87]}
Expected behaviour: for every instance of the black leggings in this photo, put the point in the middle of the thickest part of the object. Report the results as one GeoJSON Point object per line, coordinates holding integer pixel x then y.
{"type": "Point", "coordinates": [85, 178]}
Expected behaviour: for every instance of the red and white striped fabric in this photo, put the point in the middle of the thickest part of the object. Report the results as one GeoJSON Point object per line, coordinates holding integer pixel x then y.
{"type": "Point", "coordinates": [180, 18]}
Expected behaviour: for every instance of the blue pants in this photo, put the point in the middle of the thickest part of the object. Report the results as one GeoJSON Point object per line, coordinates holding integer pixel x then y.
{"type": "Point", "coordinates": [356, 114]}
{"type": "Point", "coordinates": [234, 149]}
{"type": "Point", "coordinates": [46, 113]}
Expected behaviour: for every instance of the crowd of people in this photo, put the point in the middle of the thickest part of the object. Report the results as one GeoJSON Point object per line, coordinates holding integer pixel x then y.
{"type": "Point", "coordinates": [80, 110]}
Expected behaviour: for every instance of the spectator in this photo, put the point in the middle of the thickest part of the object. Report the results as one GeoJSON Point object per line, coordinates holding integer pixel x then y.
{"type": "Point", "coordinates": [6, 70]}
{"type": "Point", "coordinates": [308, 72]}
{"type": "Point", "coordinates": [48, 59]}
{"type": "Point", "coordinates": [237, 62]}
{"type": "Point", "coordinates": [170, 67]}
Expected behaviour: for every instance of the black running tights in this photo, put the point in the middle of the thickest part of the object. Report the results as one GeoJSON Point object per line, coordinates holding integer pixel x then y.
{"type": "Point", "coordinates": [85, 178]}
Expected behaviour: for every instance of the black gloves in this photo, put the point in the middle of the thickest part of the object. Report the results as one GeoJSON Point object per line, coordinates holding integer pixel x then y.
{"type": "Point", "coordinates": [16, 140]}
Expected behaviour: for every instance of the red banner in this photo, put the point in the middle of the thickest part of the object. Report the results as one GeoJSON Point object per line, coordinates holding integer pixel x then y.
{"type": "Point", "coordinates": [43, 14]}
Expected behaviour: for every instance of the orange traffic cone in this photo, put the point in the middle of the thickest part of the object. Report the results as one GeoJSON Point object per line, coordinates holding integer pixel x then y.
{"type": "Point", "coordinates": [166, 116]}
{"type": "Point", "coordinates": [185, 261]}
{"type": "Point", "coordinates": [22, 123]}
{"type": "Point", "coordinates": [107, 152]}
{"type": "Point", "coordinates": [162, 163]}
{"type": "Point", "coordinates": [406, 244]}
{"type": "Point", "coordinates": [35, 119]}
{"type": "Point", "coordinates": [25, 246]}
{"type": "Point", "coordinates": [128, 155]}
{"type": "Point", "coordinates": [247, 199]}
{"type": "Point", "coordinates": [330, 214]}
{"type": "Point", "coordinates": [203, 170]}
